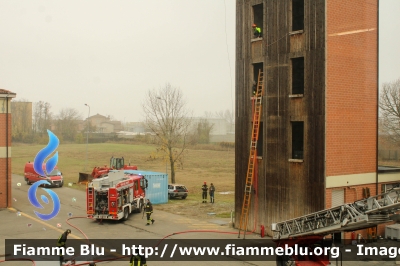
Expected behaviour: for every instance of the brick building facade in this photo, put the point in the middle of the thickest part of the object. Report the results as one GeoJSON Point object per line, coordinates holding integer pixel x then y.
{"type": "Point", "coordinates": [318, 131]}
{"type": "Point", "coordinates": [5, 147]}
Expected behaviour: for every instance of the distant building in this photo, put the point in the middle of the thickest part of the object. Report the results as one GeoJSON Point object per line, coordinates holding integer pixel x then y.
{"type": "Point", "coordinates": [81, 125]}
{"type": "Point", "coordinates": [221, 130]}
{"type": "Point", "coordinates": [103, 124]}
{"type": "Point", "coordinates": [136, 127]}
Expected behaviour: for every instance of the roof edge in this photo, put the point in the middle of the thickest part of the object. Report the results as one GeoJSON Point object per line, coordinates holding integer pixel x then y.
{"type": "Point", "coordinates": [5, 93]}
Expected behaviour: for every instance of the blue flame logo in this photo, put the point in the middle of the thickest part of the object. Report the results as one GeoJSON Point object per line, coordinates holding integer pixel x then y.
{"type": "Point", "coordinates": [32, 198]}
{"type": "Point", "coordinates": [46, 151]}
{"type": "Point", "coordinates": [38, 167]}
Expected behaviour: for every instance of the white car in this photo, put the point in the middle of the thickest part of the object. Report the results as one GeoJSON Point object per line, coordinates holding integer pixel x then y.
{"type": "Point", "coordinates": [176, 190]}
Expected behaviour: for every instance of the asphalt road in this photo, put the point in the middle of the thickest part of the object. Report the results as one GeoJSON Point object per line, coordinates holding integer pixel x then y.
{"type": "Point", "coordinates": [20, 222]}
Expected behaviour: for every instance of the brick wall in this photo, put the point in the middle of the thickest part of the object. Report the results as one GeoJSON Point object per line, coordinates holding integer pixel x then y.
{"type": "Point", "coordinates": [3, 183]}
{"type": "Point", "coordinates": [3, 130]}
{"type": "Point", "coordinates": [351, 95]}
{"type": "Point", "coordinates": [352, 194]}
{"type": "Point", "coordinates": [3, 162]}
{"type": "Point", "coordinates": [351, 90]}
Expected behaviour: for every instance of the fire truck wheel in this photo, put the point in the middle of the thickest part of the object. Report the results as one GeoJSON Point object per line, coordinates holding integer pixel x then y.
{"type": "Point", "coordinates": [28, 182]}
{"type": "Point", "coordinates": [126, 214]}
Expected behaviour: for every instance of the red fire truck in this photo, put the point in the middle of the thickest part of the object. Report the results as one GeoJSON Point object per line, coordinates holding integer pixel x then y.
{"type": "Point", "coordinates": [115, 196]}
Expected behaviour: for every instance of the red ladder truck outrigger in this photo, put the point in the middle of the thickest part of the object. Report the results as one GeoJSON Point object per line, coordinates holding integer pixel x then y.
{"type": "Point", "coordinates": [115, 196]}
{"type": "Point", "coordinates": [310, 230]}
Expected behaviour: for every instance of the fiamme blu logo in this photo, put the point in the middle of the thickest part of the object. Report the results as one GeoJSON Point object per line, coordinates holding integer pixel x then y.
{"type": "Point", "coordinates": [38, 165]}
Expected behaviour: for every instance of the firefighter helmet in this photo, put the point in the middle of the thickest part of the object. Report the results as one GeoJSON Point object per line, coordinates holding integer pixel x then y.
{"type": "Point", "coordinates": [68, 231]}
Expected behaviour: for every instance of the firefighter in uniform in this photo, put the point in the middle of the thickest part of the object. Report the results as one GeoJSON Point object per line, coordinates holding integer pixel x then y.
{"type": "Point", "coordinates": [254, 88]}
{"type": "Point", "coordinates": [61, 242]}
{"type": "Point", "coordinates": [212, 190]}
{"type": "Point", "coordinates": [138, 260]}
{"type": "Point", "coordinates": [256, 31]}
{"type": "Point", "coordinates": [149, 210]}
{"type": "Point", "coordinates": [205, 190]}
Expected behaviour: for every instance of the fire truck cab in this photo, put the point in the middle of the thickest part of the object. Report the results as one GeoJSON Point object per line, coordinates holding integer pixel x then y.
{"type": "Point", "coordinates": [115, 196]}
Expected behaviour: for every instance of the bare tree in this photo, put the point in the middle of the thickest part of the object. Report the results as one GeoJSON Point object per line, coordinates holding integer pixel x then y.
{"type": "Point", "coordinates": [166, 115]}
{"type": "Point", "coordinates": [41, 118]}
{"type": "Point", "coordinates": [111, 117]}
{"type": "Point", "coordinates": [92, 128]}
{"type": "Point", "coordinates": [66, 123]}
{"type": "Point", "coordinates": [389, 104]}
{"type": "Point", "coordinates": [204, 128]}
{"type": "Point", "coordinates": [200, 129]}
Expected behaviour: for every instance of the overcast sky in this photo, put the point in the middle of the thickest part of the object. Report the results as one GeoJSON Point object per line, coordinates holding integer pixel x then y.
{"type": "Point", "coordinates": [109, 53]}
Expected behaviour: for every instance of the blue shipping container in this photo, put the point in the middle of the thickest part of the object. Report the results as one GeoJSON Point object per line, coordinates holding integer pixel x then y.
{"type": "Point", "coordinates": [157, 189]}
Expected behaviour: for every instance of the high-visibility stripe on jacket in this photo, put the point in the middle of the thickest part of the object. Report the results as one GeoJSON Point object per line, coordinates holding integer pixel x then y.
{"type": "Point", "coordinates": [148, 207]}
{"type": "Point", "coordinates": [138, 260]}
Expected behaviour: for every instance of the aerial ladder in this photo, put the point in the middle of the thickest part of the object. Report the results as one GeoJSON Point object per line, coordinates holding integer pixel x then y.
{"type": "Point", "coordinates": [253, 154]}
{"type": "Point", "coordinates": [312, 228]}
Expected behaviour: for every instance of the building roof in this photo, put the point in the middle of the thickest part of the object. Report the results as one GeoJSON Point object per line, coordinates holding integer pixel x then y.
{"type": "Point", "coordinates": [8, 93]}
{"type": "Point", "coordinates": [98, 115]}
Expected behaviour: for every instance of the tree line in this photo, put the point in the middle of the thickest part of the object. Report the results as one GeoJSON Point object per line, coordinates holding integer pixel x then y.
{"type": "Point", "coordinates": [166, 115]}
{"type": "Point", "coordinates": [30, 122]}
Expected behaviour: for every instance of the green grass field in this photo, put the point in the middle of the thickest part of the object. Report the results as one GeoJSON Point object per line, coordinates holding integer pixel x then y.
{"type": "Point", "coordinates": [213, 166]}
